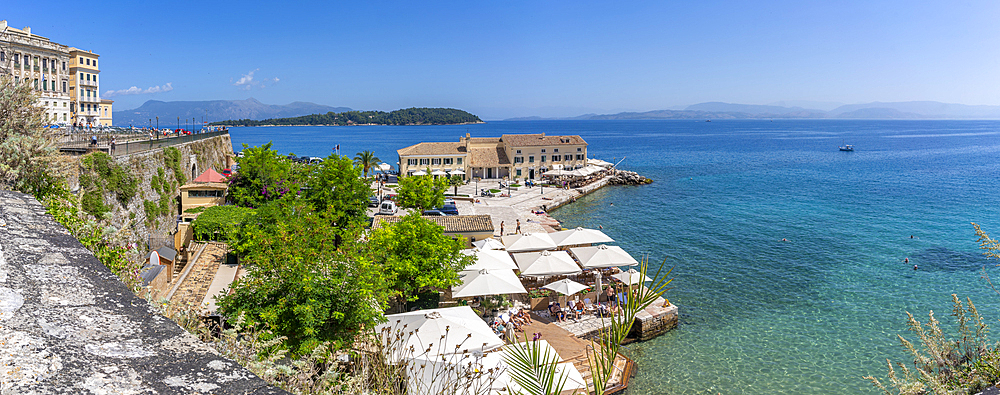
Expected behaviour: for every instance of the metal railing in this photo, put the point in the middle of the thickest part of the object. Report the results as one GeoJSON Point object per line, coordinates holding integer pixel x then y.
{"type": "Point", "coordinates": [127, 141]}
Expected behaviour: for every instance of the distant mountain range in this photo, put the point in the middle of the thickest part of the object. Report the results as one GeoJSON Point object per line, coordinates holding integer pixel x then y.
{"type": "Point", "coordinates": [874, 110]}
{"type": "Point", "coordinates": [216, 110]}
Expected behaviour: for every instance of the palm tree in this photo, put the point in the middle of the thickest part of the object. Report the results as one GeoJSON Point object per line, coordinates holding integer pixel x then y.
{"type": "Point", "coordinates": [367, 161]}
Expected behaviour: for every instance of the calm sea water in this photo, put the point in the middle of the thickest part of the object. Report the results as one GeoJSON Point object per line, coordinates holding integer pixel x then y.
{"type": "Point", "coordinates": [761, 316]}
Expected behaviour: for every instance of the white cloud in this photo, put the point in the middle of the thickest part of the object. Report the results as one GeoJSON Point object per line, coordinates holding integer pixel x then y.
{"type": "Point", "coordinates": [247, 81]}
{"type": "Point", "coordinates": [134, 90]}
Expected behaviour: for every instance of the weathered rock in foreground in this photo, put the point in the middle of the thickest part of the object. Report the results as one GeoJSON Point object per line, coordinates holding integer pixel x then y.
{"type": "Point", "coordinates": [69, 326]}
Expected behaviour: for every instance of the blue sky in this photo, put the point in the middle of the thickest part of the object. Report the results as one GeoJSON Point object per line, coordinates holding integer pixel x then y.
{"type": "Point", "coordinates": [548, 58]}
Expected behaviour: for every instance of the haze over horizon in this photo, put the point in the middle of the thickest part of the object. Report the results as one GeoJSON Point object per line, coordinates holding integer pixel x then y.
{"type": "Point", "coordinates": [551, 59]}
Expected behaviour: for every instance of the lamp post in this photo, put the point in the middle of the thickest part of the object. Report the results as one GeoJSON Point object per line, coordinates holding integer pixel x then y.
{"type": "Point", "coordinates": [157, 127]}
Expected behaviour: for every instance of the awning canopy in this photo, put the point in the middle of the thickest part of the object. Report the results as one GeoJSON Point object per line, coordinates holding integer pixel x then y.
{"type": "Point", "coordinates": [579, 236]}
{"type": "Point", "coordinates": [546, 263]}
{"type": "Point", "coordinates": [602, 256]}
{"type": "Point", "coordinates": [528, 242]}
{"type": "Point", "coordinates": [489, 260]}
{"type": "Point", "coordinates": [489, 244]}
{"type": "Point", "coordinates": [429, 333]}
{"type": "Point", "coordinates": [488, 282]}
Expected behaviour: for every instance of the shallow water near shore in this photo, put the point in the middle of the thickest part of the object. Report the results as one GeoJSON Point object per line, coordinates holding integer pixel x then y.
{"type": "Point", "coordinates": [758, 315]}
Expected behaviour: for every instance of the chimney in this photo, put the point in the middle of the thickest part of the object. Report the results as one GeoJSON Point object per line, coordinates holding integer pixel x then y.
{"type": "Point", "coordinates": [27, 30]}
{"type": "Point", "coordinates": [3, 24]}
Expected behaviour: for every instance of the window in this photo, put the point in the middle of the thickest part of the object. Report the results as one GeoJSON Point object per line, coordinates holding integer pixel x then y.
{"type": "Point", "coordinates": [64, 115]}
{"type": "Point", "coordinates": [411, 162]}
{"type": "Point", "coordinates": [555, 150]}
{"type": "Point", "coordinates": [17, 58]}
{"type": "Point", "coordinates": [519, 151]}
{"type": "Point", "coordinates": [95, 62]}
{"type": "Point", "coordinates": [518, 172]}
{"type": "Point", "coordinates": [3, 56]}
{"type": "Point", "coordinates": [436, 161]}
{"type": "Point", "coordinates": [531, 159]}
{"type": "Point", "coordinates": [448, 161]}
{"type": "Point", "coordinates": [543, 151]}
{"type": "Point", "coordinates": [88, 62]}
{"type": "Point", "coordinates": [543, 158]}
{"type": "Point", "coordinates": [518, 159]}
{"type": "Point", "coordinates": [81, 60]}
{"type": "Point", "coordinates": [459, 161]}
{"type": "Point", "coordinates": [425, 161]}
{"type": "Point", "coordinates": [95, 78]}
{"type": "Point", "coordinates": [556, 158]}
{"type": "Point", "coordinates": [64, 66]}
{"type": "Point", "coordinates": [579, 157]}
{"type": "Point", "coordinates": [579, 150]}
{"type": "Point", "coordinates": [204, 193]}
{"type": "Point", "coordinates": [64, 88]}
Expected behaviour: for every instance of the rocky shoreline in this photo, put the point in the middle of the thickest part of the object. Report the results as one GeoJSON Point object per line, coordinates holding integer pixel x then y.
{"type": "Point", "coordinates": [625, 177]}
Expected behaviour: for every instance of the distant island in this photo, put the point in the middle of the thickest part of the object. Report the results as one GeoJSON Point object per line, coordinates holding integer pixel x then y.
{"type": "Point", "coordinates": [874, 110]}
{"type": "Point", "coordinates": [407, 116]}
{"type": "Point", "coordinates": [213, 110]}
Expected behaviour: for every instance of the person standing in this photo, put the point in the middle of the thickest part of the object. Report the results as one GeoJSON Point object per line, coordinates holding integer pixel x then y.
{"type": "Point", "coordinates": [112, 146]}
{"type": "Point", "coordinates": [518, 229]}
{"type": "Point", "coordinates": [501, 228]}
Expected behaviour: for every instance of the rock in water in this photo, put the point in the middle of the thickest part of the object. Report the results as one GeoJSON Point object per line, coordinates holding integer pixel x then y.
{"type": "Point", "coordinates": [624, 177]}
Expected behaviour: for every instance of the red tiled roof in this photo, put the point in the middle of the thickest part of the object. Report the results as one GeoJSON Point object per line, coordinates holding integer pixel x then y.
{"type": "Point", "coordinates": [210, 176]}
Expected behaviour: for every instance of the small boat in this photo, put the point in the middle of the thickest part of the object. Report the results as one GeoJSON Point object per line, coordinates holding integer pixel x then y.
{"type": "Point", "coordinates": [847, 147]}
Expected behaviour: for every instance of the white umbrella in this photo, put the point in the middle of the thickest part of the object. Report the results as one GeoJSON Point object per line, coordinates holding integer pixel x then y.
{"type": "Point", "coordinates": [453, 330]}
{"type": "Point", "coordinates": [566, 286]}
{"type": "Point", "coordinates": [598, 162]}
{"type": "Point", "coordinates": [489, 243]}
{"type": "Point", "coordinates": [385, 166]}
{"type": "Point", "coordinates": [456, 172]}
{"type": "Point", "coordinates": [579, 236]}
{"type": "Point", "coordinates": [546, 263]}
{"type": "Point", "coordinates": [574, 380]}
{"type": "Point", "coordinates": [555, 173]}
{"type": "Point", "coordinates": [420, 173]}
{"type": "Point", "coordinates": [631, 277]}
{"type": "Point", "coordinates": [489, 260]}
{"type": "Point", "coordinates": [528, 242]}
{"type": "Point", "coordinates": [602, 256]}
{"type": "Point", "coordinates": [438, 172]}
{"type": "Point", "coordinates": [488, 282]}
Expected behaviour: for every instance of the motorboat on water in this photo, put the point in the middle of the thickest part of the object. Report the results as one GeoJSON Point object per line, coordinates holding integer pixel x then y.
{"type": "Point", "coordinates": [847, 147]}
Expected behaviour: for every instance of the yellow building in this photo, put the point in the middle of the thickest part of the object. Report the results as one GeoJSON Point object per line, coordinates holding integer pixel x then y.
{"type": "Point", "coordinates": [207, 190]}
{"type": "Point", "coordinates": [517, 156]}
{"type": "Point", "coordinates": [35, 60]}
{"type": "Point", "coordinates": [84, 87]}
{"type": "Point", "coordinates": [105, 112]}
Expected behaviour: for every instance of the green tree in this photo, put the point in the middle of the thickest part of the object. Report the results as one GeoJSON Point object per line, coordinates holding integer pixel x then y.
{"type": "Point", "coordinates": [366, 160]}
{"type": "Point", "coordinates": [415, 255]}
{"type": "Point", "coordinates": [26, 153]}
{"type": "Point", "coordinates": [456, 181]}
{"type": "Point", "coordinates": [336, 191]}
{"type": "Point", "coordinates": [422, 192]}
{"type": "Point", "coordinates": [299, 284]}
{"type": "Point", "coordinates": [264, 176]}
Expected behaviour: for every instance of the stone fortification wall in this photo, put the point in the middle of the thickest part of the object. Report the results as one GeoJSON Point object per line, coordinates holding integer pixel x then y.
{"type": "Point", "coordinates": [142, 221]}
{"type": "Point", "coordinates": [69, 326]}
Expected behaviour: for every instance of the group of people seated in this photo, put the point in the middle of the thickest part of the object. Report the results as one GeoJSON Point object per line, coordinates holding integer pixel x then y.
{"type": "Point", "coordinates": [513, 319]}
{"type": "Point", "coordinates": [576, 309]}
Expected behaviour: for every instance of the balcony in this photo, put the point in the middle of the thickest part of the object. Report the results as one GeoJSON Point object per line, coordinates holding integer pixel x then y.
{"type": "Point", "coordinates": [36, 68]}
{"type": "Point", "coordinates": [17, 65]}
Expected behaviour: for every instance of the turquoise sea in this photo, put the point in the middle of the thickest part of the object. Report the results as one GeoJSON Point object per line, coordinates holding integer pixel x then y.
{"type": "Point", "coordinates": [758, 315]}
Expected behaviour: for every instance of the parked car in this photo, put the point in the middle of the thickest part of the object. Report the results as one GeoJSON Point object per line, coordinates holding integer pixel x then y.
{"type": "Point", "coordinates": [433, 213]}
{"type": "Point", "coordinates": [388, 208]}
{"type": "Point", "coordinates": [449, 209]}
{"type": "Point", "coordinates": [373, 201]}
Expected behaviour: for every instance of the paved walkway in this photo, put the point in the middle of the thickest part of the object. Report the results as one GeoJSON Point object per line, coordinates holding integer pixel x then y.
{"type": "Point", "coordinates": [194, 287]}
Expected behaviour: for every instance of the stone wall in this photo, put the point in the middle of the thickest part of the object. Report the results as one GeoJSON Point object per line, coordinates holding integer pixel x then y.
{"type": "Point", "coordinates": [69, 326]}
{"type": "Point", "coordinates": [654, 321]}
{"type": "Point", "coordinates": [131, 222]}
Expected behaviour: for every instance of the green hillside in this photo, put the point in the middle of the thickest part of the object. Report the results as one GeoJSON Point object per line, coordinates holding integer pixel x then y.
{"type": "Point", "coordinates": [408, 116]}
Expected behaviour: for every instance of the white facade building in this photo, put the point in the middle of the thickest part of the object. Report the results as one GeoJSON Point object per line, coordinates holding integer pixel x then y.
{"type": "Point", "coordinates": [35, 60]}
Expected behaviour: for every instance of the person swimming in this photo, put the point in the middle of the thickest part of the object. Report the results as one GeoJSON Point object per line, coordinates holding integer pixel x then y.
{"type": "Point", "coordinates": [784, 239]}
{"type": "Point", "coordinates": [914, 267]}
{"type": "Point", "coordinates": [906, 260]}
